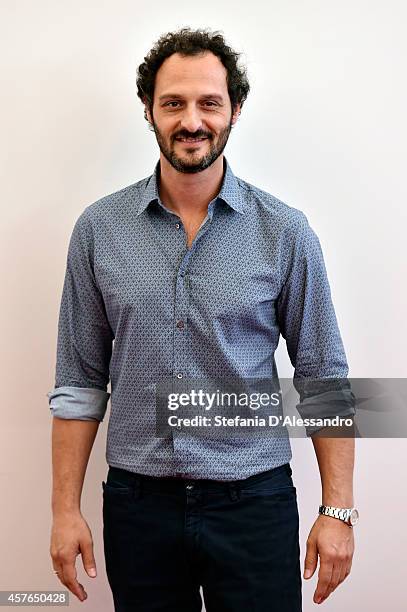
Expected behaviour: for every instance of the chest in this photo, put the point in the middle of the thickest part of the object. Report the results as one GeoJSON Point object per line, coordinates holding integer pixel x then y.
{"type": "Point", "coordinates": [227, 276]}
{"type": "Point", "coordinates": [191, 226]}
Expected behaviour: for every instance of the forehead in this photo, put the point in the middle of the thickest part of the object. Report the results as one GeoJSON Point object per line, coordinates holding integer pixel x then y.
{"type": "Point", "coordinates": [186, 73]}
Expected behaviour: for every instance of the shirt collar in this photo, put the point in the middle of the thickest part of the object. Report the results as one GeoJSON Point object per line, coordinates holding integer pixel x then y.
{"type": "Point", "coordinates": [230, 191]}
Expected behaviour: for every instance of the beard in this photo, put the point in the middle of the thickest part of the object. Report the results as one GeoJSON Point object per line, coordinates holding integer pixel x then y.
{"type": "Point", "coordinates": [192, 161]}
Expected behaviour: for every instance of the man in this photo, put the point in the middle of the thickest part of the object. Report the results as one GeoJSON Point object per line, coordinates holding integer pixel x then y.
{"type": "Point", "coordinates": [193, 272]}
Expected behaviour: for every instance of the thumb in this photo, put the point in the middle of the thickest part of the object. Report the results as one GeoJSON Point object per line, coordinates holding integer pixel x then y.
{"type": "Point", "coordinates": [88, 559]}
{"type": "Point", "coordinates": [311, 559]}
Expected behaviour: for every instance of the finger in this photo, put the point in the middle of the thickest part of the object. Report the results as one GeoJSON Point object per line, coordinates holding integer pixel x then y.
{"type": "Point", "coordinates": [336, 574]}
{"type": "Point", "coordinates": [88, 558]}
{"type": "Point", "coordinates": [58, 572]}
{"type": "Point", "coordinates": [71, 581]}
{"type": "Point", "coordinates": [61, 576]}
{"type": "Point", "coordinates": [324, 578]}
{"type": "Point", "coordinates": [344, 572]}
{"type": "Point", "coordinates": [311, 560]}
{"type": "Point", "coordinates": [348, 567]}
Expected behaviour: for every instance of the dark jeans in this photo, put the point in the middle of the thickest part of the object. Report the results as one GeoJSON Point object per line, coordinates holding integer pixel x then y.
{"type": "Point", "coordinates": [166, 537]}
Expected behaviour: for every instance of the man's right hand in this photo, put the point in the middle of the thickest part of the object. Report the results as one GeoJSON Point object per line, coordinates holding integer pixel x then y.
{"type": "Point", "coordinates": [71, 536]}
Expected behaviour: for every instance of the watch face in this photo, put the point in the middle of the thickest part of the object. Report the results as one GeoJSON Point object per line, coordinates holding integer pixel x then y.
{"type": "Point", "coordinates": [354, 517]}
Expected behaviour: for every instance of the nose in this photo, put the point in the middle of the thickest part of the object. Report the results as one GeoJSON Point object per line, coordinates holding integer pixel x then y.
{"type": "Point", "coordinates": [191, 119]}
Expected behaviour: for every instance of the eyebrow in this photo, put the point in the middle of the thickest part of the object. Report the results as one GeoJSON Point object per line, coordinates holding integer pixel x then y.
{"type": "Point", "coordinates": [205, 96]}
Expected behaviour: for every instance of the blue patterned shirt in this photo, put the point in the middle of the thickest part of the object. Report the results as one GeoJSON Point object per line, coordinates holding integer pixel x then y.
{"type": "Point", "coordinates": [138, 305]}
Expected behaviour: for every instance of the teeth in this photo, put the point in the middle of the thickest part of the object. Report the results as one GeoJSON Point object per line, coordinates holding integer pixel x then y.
{"type": "Point", "coordinates": [191, 139]}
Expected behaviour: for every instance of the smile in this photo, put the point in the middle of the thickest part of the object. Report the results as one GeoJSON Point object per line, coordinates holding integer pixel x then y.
{"type": "Point", "coordinates": [192, 140]}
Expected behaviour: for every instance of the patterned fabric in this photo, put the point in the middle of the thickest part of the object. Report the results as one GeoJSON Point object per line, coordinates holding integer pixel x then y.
{"type": "Point", "coordinates": [138, 305]}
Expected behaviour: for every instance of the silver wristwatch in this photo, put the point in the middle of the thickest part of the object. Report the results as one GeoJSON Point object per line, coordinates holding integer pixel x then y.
{"type": "Point", "coordinates": [350, 516]}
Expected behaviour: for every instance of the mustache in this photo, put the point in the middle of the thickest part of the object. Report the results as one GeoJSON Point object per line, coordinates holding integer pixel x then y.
{"type": "Point", "coordinates": [199, 134]}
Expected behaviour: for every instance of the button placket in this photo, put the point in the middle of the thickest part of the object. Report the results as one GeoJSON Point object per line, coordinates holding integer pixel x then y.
{"type": "Point", "coordinates": [180, 350]}
{"type": "Point", "coordinates": [180, 315]}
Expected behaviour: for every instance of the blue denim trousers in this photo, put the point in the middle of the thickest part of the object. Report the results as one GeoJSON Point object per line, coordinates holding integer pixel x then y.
{"type": "Point", "coordinates": [165, 538]}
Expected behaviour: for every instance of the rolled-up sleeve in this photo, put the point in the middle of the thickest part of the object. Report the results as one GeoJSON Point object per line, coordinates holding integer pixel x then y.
{"type": "Point", "coordinates": [85, 338]}
{"type": "Point", "coordinates": [308, 322]}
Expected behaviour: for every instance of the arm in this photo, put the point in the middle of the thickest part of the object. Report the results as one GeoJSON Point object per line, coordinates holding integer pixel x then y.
{"type": "Point", "coordinates": [309, 325]}
{"type": "Point", "coordinates": [335, 458]}
{"type": "Point", "coordinates": [329, 537]}
{"type": "Point", "coordinates": [72, 442]}
{"type": "Point", "coordinates": [78, 403]}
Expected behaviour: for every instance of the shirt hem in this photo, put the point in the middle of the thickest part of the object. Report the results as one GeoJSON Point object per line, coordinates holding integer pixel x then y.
{"type": "Point", "coordinates": [224, 476]}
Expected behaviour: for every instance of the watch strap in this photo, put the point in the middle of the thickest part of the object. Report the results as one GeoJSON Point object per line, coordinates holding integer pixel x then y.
{"type": "Point", "coordinates": [342, 514]}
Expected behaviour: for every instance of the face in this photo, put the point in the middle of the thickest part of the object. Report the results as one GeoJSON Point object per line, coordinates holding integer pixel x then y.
{"type": "Point", "coordinates": [192, 113]}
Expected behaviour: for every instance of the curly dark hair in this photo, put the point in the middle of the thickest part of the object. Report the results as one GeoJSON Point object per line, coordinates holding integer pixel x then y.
{"type": "Point", "coordinates": [190, 42]}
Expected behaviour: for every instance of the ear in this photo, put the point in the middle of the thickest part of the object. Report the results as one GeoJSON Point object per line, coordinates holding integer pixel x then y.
{"type": "Point", "coordinates": [147, 113]}
{"type": "Point", "coordinates": [236, 113]}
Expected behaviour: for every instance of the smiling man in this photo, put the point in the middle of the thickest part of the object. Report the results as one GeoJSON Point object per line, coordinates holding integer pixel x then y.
{"type": "Point", "coordinates": [191, 161]}
{"type": "Point", "coordinates": [194, 273]}
{"type": "Point", "coordinates": [185, 152]}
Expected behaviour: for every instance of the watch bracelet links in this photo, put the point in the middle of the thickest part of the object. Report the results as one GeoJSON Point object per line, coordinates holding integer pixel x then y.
{"type": "Point", "coordinates": [340, 513]}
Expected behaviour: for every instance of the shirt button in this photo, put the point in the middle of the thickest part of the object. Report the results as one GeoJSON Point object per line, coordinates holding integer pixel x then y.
{"type": "Point", "coordinates": [177, 225]}
{"type": "Point", "coordinates": [179, 375]}
{"type": "Point", "coordinates": [180, 324]}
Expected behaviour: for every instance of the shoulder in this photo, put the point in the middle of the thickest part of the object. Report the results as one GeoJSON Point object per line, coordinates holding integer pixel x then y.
{"type": "Point", "coordinates": [98, 219]}
{"type": "Point", "coordinates": [285, 216]}
{"type": "Point", "coordinates": [106, 212]}
{"type": "Point", "coordinates": [125, 199]}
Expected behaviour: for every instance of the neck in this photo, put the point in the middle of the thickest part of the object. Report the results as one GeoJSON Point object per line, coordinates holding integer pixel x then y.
{"type": "Point", "coordinates": [188, 193]}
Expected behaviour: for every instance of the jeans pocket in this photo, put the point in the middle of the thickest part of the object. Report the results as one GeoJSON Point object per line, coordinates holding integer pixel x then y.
{"type": "Point", "coordinates": [285, 493]}
{"type": "Point", "coordinates": [279, 483]}
{"type": "Point", "coordinates": [112, 487]}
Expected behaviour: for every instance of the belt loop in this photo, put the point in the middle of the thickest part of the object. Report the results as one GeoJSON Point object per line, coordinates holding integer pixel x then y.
{"type": "Point", "coordinates": [233, 491]}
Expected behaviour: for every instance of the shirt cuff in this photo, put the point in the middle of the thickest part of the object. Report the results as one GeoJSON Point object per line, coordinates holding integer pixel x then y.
{"type": "Point", "coordinates": [83, 403]}
{"type": "Point", "coordinates": [326, 405]}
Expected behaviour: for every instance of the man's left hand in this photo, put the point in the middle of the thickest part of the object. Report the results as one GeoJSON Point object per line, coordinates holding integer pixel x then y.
{"type": "Point", "coordinates": [333, 541]}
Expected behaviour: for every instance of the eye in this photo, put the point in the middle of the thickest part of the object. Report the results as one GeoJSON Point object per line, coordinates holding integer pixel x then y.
{"type": "Point", "coordinates": [171, 102]}
{"type": "Point", "coordinates": [174, 103]}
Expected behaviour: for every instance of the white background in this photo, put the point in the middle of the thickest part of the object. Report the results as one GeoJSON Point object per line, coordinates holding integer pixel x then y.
{"type": "Point", "coordinates": [323, 129]}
